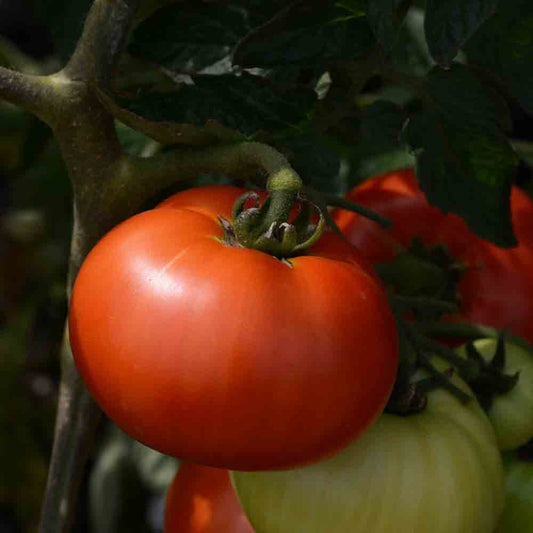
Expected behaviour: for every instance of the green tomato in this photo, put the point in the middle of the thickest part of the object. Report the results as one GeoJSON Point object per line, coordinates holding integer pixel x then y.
{"type": "Point", "coordinates": [511, 413]}
{"type": "Point", "coordinates": [437, 471]}
{"type": "Point", "coordinates": [518, 511]}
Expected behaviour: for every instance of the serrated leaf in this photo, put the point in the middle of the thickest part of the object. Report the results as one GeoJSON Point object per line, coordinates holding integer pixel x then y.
{"type": "Point", "coordinates": [381, 125]}
{"type": "Point", "coordinates": [377, 148]}
{"type": "Point", "coordinates": [382, 17]}
{"type": "Point", "coordinates": [450, 23]}
{"type": "Point", "coordinates": [304, 34]}
{"type": "Point", "coordinates": [189, 36]}
{"type": "Point", "coordinates": [317, 163]}
{"type": "Point", "coordinates": [260, 11]}
{"type": "Point", "coordinates": [376, 129]}
{"type": "Point", "coordinates": [504, 46]}
{"type": "Point", "coordinates": [465, 164]}
{"type": "Point", "coordinates": [213, 108]}
{"type": "Point", "coordinates": [141, 114]}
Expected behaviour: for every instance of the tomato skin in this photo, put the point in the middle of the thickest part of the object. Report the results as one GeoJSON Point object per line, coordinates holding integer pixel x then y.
{"type": "Point", "coordinates": [517, 514]}
{"type": "Point", "coordinates": [201, 499]}
{"type": "Point", "coordinates": [496, 288]}
{"type": "Point", "coordinates": [437, 471]}
{"type": "Point", "coordinates": [511, 414]}
{"type": "Point", "coordinates": [227, 356]}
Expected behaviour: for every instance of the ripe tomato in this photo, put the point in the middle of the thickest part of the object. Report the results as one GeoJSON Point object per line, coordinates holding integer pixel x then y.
{"type": "Point", "coordinates": [227, 356]}
{"type": "Point", "coordinates": [511, 413]}
{"type": "Point", "coordinates": [518, 511]}
{"type": "Point", "coordinates": [202, 500]}
{"type": "Point", "coordinates": [436, 471]}
{"type": "Point", "coordinates": [496, 287]}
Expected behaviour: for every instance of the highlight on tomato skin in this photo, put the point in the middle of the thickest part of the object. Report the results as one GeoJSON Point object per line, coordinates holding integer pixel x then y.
{"type": "Point", "coordinates": [227, 356]}
{"type": "Point", "coordinates": [201, 499]}
{"type": "Point", "coordinates": [496, 284]}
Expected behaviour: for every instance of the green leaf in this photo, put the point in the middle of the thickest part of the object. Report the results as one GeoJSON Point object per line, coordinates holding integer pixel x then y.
{"type": "Point", "coordinates": [368, 166]}
{"type": "Point", "coordinates": [450, 23]}
{"type": "Point", "coordinates": [305, 35]}
{"type": "Point", "coordinates": [380, 127]}
{"type": "Point", "coordinates": [143, 114]}
{"type": "Point", "coordinates": [316, 162]}
{"type": "Point", "coordinates": [465, 164]}
{"type": "Point", "coordinates": [260, 11]}
{"type": "Point", "coordinates": [411, 53]}
{"type": "Point", "coordinates": [189, 36]}
{"type": "Point", "coordinates": [376, 129]}
{"type": "Point", "coordinates": [504, 46]}
{"type": "Point", "coordinates": [124, 475]}
{"type": "Point", "coordinates": [377, 148]}
{"type": "Point", "coordinates": [213, 108]}
{"type": "Point", "coordinates": [382, 17]}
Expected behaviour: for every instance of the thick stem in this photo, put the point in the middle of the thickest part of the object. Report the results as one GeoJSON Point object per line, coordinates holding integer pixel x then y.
{"type": "Point", "coordinates": [36, 94]}
{"type": "Point", "coordinates": [266, 228]}
{"type": "Point", "coordinates": [343, 203]}
{"type": "Point", "coordinates": [76, 422]}
{"type": "Point", "coordinates": [91, 150]}
{"type": "Point", "coordinates": [468, 331]}
{"type": "Point", "coordinates": [283, 186]}
{"type": "Point", "coordinates": [104, 36]}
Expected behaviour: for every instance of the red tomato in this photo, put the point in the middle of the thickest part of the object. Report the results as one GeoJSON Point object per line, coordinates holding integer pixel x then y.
{"type": "Point", "coordinates": [227, 356]}
{"type": "Point", "coordinates": [496, 287]}
{"type": "Point", "coordinates": [202, 500]}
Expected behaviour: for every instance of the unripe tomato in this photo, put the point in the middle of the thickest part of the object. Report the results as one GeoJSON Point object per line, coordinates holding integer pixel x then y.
{"type": "Point", "coordinates": [496, 284]}
{"type": "Point", "coordinates": [518, 511]}
{"type": "Point", "coordinates": [511, 414]}
{"type": "Point", "coordinates": [225, 355]}
{"type": "Point", "coordinates": [202, 500]}
{"type": "Point", "coordinates": [438, 471]}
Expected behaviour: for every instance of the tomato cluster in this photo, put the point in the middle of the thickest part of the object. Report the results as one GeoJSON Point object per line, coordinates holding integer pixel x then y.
{"type": "Point", "coordinates": [496, 284]}
{"type": "Point", "coordinates": [279, 368]}
{"type": "Point", "coordinates": [438, 470]}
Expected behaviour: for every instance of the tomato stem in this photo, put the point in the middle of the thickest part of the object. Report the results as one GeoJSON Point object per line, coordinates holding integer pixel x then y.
{"type": "Point", "coordinates": [343, 203]}
{"type": "Point", "coordinates": [267, 227]}
{"type": "Point", "coordinates": [491, 380]}
{"type": "Point", "coordinates": [466, 330]}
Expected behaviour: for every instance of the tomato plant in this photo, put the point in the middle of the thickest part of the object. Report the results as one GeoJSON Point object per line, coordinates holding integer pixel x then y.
{"type": "Point", "coordinates": [226, 355]}
{"type": "Point", "coordinates": [202, 500]}
{"type": "Point", "coordinates": [496, 284]}
{"type": "Point", "coordinates": [439, 470]}
{"type": "Point", "coordinates": [511, 413]}
{"type": "Point", "coordinates": [517, 514]}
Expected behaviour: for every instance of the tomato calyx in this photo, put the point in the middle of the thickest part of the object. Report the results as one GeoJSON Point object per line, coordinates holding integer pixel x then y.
{"type": "Point", "coordinates": [417, 351]}
{"type": "Point", "coordinates": [486, 378]}
{"type": "Point", "coordinates": [424, 278]}
{"type": "Point", "coordinates": [266, 227]}
{"type": "Point", "coordinates": [490, 380]}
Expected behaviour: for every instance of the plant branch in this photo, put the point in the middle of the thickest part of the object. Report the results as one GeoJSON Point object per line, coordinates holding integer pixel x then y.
{"type": "Point", "coordinates": [104, 36]}
{"type": "Point", "coordinates": [76, 422]}
{"type": "Point", "coordinates": [145, 177]}
{"type": "Point", "coordinates": [36, 94]}
{"type": "Point", "coordinates": [469, 331]}
{"type": "Point", "coordinates": [337, 201]}
{"type": "Point", "coordinates": [91, 150]}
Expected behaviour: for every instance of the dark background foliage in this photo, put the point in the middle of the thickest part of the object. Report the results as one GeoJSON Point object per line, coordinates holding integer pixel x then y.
{"type": "Point", "coordinates": [341, 88]}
